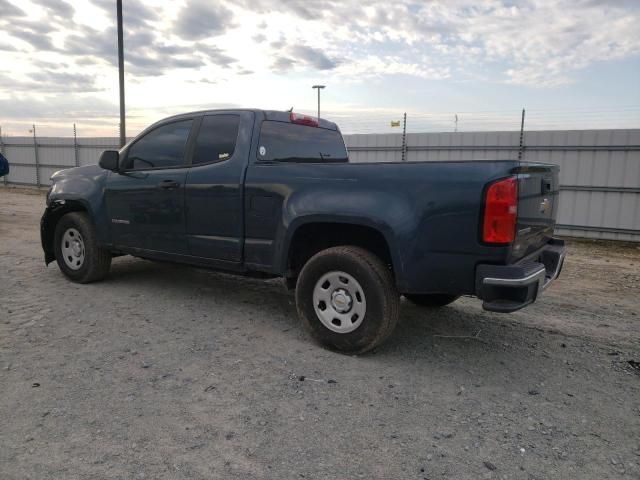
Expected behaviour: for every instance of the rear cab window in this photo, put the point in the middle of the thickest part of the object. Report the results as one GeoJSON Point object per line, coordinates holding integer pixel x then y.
{"type": "Point", "coordinates": [290, 142]}
{"type": "Point", "coordinates": [216, 139]}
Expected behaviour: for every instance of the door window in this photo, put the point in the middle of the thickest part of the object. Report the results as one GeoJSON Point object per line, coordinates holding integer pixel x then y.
{"type": "Point", "coordinates": [162, 147]}
{"type": "Point", "coordinates": [217, 139]}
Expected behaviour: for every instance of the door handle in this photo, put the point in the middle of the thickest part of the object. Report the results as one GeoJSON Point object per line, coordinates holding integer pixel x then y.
{"type": "Point", "coordinates": [168, 184]}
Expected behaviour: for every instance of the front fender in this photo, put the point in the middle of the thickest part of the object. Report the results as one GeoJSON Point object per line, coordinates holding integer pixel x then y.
{"type": "Point", "coordinates": [74, 190]}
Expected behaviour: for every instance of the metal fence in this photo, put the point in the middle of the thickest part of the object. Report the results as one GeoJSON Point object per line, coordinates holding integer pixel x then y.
{"type": "Point", "coordinates": [599, 179]}
{"type": "Point", "coordinates": [32, 161]}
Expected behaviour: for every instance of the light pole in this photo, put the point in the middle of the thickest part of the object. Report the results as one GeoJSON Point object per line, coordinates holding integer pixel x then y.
{"type": "Point", "coordinates": [123, 134]}
{"type": "Point", "coordinates": [318, 87]}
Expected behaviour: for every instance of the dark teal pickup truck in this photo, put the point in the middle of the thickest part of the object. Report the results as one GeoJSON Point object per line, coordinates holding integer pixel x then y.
{"type": "Point", "coordinates": [273, 194]}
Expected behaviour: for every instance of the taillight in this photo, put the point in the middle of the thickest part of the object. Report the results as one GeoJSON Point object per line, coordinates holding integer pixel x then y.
{"type": "Point", "coordinates": [303, 119]}
{"type": "Point", "coordinates": [500, 211]}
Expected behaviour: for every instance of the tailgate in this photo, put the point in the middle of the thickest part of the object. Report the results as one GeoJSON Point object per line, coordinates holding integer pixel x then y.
{"type": "Point", "coordinates": [538, 193]}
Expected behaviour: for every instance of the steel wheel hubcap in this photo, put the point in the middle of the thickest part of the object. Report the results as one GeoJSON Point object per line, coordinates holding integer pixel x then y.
{"type": "Point", "coordinates": [339, 302]}
{"type": "Point", "coordinates": [72, 248]}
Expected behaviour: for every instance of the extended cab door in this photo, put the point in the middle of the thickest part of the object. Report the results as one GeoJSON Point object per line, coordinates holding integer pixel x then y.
{"type": "Point", "coordinates": [214, 186]}
{"type": "Point", "coordinates": [145, 200]}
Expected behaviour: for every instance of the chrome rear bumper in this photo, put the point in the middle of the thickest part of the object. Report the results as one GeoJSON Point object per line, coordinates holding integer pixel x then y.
{"type": "Point", "coordinates": [507, 288]}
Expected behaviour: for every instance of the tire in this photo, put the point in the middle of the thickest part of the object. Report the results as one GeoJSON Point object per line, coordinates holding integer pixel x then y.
{"type": "Point", "coordinates": [374, 300]}
{"type": "Point", "coordinates": [78, 254]}
{"type": "Point", "coordinates": [432, 300]}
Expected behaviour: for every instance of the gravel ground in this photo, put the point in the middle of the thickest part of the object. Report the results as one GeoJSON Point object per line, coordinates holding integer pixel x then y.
{"type": "Point", "coordinates": [164, 371]}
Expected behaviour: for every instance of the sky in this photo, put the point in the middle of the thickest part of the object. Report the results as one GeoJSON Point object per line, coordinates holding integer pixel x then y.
{"type": "Point", "coordinates": [570, 63]}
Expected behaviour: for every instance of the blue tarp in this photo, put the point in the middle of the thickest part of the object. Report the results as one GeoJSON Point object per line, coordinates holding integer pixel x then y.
{"type": "Point", "coordinates": [4, 166]}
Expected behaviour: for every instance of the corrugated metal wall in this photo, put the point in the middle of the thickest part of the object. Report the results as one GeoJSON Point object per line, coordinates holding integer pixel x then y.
{"type": "Point", "coordinates": [600, 169]}
{"type": "Point", "coordinates": [50, 155]}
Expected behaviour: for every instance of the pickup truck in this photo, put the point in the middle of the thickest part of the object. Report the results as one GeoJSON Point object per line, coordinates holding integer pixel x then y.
{"type": "Point", "coordinates": [273, 194]}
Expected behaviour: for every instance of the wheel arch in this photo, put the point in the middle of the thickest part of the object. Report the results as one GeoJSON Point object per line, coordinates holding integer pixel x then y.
{"type": "Point", "coordinates": [52, 215]}
{"type": "Point", "coordinates": [309, 235]}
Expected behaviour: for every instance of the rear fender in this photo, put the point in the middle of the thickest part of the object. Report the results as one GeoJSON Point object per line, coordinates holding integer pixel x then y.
{"type": "Point", "coordinates": [382, 228]}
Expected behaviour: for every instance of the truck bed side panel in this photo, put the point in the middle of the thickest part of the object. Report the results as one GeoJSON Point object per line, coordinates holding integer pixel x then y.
{"type": "Point", "coordinates": [428, 212]}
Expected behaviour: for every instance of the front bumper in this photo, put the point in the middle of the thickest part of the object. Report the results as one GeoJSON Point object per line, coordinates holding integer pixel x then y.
{"type": "Point", "coordinates": [507, 288]}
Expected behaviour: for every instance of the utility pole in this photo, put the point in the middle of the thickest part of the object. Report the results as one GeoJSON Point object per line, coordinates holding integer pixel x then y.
{"type": "Point", "coordinates": [123, 134]}
{"type": "Point", "coordinates": [456, 122]}
{"type": "Point", "coordinates": [318, 87]}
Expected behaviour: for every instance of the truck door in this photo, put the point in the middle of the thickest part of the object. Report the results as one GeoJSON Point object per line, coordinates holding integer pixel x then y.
{"type": "Point", "coordinates": [214, 187]}
{"type": "Point", "coordinates": [145, 200]}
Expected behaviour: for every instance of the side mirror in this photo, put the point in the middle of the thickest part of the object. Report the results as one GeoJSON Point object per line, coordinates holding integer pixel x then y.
{"type": "Point", "coordinates": [109, 160]}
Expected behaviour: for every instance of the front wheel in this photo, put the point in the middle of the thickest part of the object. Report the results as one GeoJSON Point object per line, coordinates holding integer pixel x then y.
{"type": "Point", "coordinates": [78, 254]}
{"type": "Point", "coordinates": [347, 299]}
{"type": "Point", "coordinates": [432, 299]}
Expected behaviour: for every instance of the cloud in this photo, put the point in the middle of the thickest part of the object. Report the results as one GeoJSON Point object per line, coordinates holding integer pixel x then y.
{"type": "Point", "coordinates": [532, 43]}
{"type": "Point", "coordinates": [62, 106]}
{"type": "Point", "coordinates": [259, 38]}
{"type": "Point", "coordinates": [46, 80]}
{"type": "Point", "coordinates": [302, 8]}
{"type": "Point", "coordinates": [5, 47]}
{"type": "Point", "coordinates": [214, 55]}
{"type": "Point", "coordinates": [151, 65]}
{"type": "Point", "coordinates": [29, 31]}
{"type": "Point", "coordinates": [302, 55]}
{"type": "Point", "coordinates": [10, 10]}
{"type": "Point", "coordinates": [542, 42]}
{"type": "Point", "coordinates": [14, 22]}
{"type": "Point", "coordinates": [87, 41]}
{"type": "Point", "coordinates": [145, 53]}
{"type": "Point", "coordinates": [376, 66]}
{"type": "Point", "coordinates": [57, 8]}
{"type": "Point", "coordinates": [135, 14]}
{"type": "Point", "coordinates": [37, 40]}
{"type": "Point", "coordinates": [283, 64]}
{"type": "Point", "coordinates": [201, 19]}
{"type": "Point", "coordinates": [57, 81]}
{"type": "Point", "coordinates": [313, 56]}
{"type": "Point", "coordinates": [537, 43]}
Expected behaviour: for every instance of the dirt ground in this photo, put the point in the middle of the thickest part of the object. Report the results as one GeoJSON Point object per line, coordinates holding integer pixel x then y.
{"type": "Point", "coordinates": [170, 372]}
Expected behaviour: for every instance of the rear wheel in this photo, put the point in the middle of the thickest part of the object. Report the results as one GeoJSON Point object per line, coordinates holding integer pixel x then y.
{"type": "Point", "coordinates": [78, 254]}
{"type": "Point", "coordinates": [347, 299]}
{"type": "Point", "coordinates": [432, 299]}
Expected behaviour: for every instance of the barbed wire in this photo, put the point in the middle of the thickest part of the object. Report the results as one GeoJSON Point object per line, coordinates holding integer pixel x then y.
{"type": "Point", "coordinates": [353, 121]}
{"type": "Point", "coordinates": [535, 119]}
